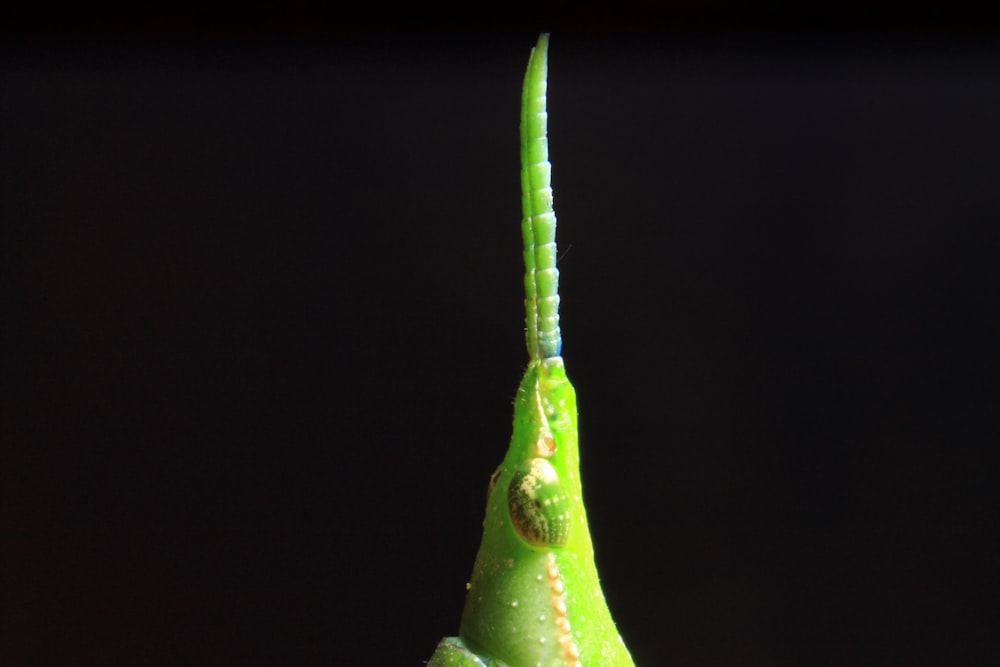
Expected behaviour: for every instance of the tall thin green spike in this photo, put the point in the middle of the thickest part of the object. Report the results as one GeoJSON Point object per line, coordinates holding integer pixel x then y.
{"type": "Point", "coordinates": [534, 599]}
{"type": "Point", "coordinates": [538, 226]}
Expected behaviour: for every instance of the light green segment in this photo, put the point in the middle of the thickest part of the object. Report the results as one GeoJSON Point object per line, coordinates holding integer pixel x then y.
{"type": "Point", "coordinates": [538, 226]}
{"type": "Point", "coordinates": [534, 598]}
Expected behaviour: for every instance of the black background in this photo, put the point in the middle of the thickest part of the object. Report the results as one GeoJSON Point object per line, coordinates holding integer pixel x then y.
{"type": "Point", "coordinates": [262, 327]}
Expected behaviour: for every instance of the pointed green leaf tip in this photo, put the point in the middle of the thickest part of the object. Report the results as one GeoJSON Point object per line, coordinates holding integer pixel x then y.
{"type": "Point", "coordinates": [538, 226]}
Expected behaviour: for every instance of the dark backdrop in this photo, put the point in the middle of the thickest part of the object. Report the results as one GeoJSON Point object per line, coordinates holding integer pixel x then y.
{"type": "Point", "coordinates": [261, 329]}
